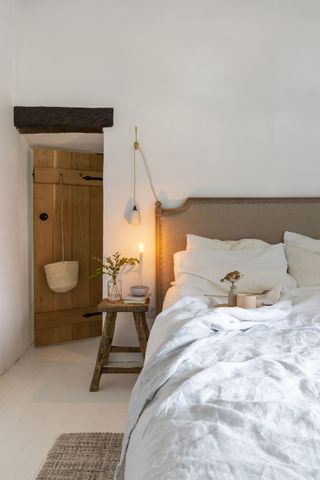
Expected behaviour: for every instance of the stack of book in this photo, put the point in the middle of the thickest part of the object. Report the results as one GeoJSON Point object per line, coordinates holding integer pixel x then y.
{"type": "Point", "coordinates": [132, 299]}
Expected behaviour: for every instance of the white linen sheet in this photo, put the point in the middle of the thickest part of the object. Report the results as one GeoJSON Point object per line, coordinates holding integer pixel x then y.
{"type": "Point", "coordinates": [229, 394]}
{"type": "Point", "coordinates": [163, 329]}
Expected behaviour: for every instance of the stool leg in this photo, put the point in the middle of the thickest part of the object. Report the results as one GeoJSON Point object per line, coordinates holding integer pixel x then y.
{"type": "Point", "coordinates": [142, 331]}
{"type": "Point", "coordinates": [104, 349]}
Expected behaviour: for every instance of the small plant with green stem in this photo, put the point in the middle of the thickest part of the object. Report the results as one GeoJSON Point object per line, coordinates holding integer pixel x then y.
{"type": "Point", "coordinates": [113, 265]}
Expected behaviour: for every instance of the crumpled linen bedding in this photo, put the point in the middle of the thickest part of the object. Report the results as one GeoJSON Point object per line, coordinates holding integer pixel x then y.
{"type": "Point", "coordinates": [229, 394]}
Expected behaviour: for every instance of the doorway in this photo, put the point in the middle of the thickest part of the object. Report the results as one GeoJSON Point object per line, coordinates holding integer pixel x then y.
{"type": "Point", "coordinates": [62, 317]}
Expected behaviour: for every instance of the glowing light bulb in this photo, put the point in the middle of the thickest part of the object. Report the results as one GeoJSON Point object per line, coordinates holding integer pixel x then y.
{"type": "Point", "coordinates": [134, 216]}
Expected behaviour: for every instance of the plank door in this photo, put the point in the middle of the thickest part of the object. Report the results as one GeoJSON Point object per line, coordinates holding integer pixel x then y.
{"type": "Point", "coordinates": [62, 317]}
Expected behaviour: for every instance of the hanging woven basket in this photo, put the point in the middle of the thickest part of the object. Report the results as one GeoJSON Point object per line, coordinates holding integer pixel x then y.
{"type": "Point", "coordinates": [62, 276]}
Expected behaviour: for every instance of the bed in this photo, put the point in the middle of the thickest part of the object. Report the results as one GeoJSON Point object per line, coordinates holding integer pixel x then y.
{"type": "Point", "coordinates": [227, 393]}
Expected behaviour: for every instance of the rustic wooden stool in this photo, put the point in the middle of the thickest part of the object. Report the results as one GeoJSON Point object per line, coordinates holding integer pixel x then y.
{"type": "Point", "coordinates": [106, 347]}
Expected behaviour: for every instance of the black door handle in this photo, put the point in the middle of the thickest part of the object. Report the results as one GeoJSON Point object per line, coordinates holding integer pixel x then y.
{"type": "Point", "coordinates": [91, 314]}
{"type": "Point", "coordinates": [88, 178]}
{"type": "Point", "coordinates": [43, 216]}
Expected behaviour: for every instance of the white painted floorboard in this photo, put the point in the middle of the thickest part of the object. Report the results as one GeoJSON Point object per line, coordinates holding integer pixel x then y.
{"type": "Point", "coordinates": [47, 393]}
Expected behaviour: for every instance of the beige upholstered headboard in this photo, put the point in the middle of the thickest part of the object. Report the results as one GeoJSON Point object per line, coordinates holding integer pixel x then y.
{"type": "Point", "coordinates": [228, 219]}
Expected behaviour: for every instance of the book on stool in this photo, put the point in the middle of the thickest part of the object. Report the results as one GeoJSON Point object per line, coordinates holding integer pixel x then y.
{"type": "Point", "coordinates": [133, 299]}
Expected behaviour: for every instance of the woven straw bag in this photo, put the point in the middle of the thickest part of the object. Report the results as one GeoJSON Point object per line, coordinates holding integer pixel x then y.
{"type": "Point", "coordinates": [62, 276]}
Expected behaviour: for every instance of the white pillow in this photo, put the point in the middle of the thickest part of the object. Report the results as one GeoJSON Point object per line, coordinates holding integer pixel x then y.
{"type": "Point", "coordinates": [304, 265]}
{"type": "Point", "coordinates": [302, 241]}
{"type": "Point", "coordinates": [198, 272]}
{"type": "Point", "coordinates": [195, 242]}
{"type": "Point", "coordinates": [303, 254]}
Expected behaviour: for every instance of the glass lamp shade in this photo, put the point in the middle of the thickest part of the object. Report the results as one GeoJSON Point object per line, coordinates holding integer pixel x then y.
{"type": "Point", "coordinates": [135, 216]}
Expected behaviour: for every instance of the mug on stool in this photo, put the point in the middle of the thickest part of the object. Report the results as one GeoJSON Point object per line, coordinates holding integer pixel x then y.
{"type": "Point", "coordinates": [245, 300]}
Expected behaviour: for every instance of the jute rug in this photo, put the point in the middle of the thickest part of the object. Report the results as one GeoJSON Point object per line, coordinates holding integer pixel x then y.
{"type": "Point", "coordinates": [83, 456]}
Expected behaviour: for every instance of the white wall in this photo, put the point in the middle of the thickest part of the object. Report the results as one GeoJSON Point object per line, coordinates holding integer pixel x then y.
{"type": "Point", "coordinates": [14, 284]}
{"type": "Point", "coordinates": [226, 94]}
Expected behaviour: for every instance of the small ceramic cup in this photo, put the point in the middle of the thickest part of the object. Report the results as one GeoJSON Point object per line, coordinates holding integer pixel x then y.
{"type": "Point", "coordinates": [139, 290]}
{"type": "Point", "coordinates": [245, 300]}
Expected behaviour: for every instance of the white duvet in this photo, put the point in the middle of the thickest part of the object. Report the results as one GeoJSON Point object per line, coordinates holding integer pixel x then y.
{"type": "Point", "coordinates": [229, 394]}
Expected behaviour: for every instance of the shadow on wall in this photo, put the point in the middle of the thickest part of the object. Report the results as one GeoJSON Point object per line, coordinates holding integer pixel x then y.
{"type": "Point", "coordinates": [167, 202]}
{"type": "Point", "coordinates": [30, 242]}
{"type": "Point", "coordinates": [202, 192]}
{"type": "Point", "coordinates": [163, 198]}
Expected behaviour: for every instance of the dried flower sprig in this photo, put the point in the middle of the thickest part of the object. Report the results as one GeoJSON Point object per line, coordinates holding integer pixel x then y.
{"type": "Point", "coordinates": [232, 277]}
{"type": "Point", "coordinates": [113, 265]}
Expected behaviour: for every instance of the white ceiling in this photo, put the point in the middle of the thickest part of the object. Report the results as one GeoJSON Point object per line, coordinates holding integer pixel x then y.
{"type": "Point", "coordinates": [80, 142]}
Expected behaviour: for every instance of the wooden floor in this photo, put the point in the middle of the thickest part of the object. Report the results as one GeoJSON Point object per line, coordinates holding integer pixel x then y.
{"type": "Point", "coordinates": [47, 393]}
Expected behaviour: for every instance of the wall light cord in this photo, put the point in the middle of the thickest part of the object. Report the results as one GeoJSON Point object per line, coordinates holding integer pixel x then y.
{"type": "Point", "coordinates": [136, 146]}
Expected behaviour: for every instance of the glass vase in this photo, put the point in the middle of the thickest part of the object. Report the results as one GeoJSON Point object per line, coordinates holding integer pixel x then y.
{"type": "Point", "coordinates": [232, 296]}
{"type": "Point", "coordinates": [114, 290]}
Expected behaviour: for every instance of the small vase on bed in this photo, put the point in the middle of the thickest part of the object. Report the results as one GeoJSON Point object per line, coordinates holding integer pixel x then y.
{"type": "Point", "coordinates": [232, 296]}
{"type": "Point", "coordinates": [232, 278]}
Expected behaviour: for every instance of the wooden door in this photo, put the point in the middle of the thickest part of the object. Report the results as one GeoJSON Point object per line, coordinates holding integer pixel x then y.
{"type": "Point", "coordinates": [61, 317]}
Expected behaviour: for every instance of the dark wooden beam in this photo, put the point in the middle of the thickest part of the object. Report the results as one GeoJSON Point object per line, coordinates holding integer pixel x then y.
{"type": "Point", "coordinates": [62, 119]}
